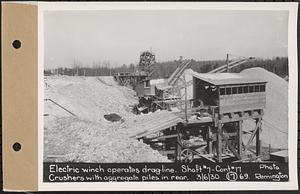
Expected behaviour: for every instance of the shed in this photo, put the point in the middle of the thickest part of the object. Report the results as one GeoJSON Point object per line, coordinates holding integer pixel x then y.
{"type": "Point", "coordinates": [230, 92]}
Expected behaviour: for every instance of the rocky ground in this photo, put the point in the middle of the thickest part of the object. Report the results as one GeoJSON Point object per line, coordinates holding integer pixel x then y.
{"type": "Point", "coordinates": [88, 136]}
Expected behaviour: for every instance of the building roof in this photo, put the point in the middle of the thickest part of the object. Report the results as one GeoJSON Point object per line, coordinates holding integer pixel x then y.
{"type": "Point", "coordinates": [161, 84]}
{"type": "Point", "coordinates": [157, 81]}
{"type": "Point", "coordinates": [226, 78]}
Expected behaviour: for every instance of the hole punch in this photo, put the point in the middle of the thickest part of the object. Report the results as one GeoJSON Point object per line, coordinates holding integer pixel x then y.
{"type": "Point", "coordinates": [16, 44]}
{"type": "Point", "coordinates": [17, 146]}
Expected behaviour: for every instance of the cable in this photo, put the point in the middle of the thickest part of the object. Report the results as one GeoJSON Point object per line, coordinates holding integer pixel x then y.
{"type": "Point", "coordinates": [266, 122]}
{"type": "Point", "coordinates": [271, 125]}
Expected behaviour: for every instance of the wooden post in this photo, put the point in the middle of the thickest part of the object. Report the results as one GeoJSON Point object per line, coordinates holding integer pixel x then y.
{"type": "Point", "coordinates": [258, 141]}
{"type": "Point", "coordinates": [185, 108]}
{"type": "Point", "coordinates": [219, 143]}
{"type": "Point", "coordinates": [185, 98]}
{"type": "Point", "coordinates": [178, 146]}
{"type": "Point", "coordinates": [209, 140]}
{"type": "Point", "coordinates": [240, 138]}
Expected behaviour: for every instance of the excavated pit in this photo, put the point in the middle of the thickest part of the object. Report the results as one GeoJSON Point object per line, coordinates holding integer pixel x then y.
{"type": "Point", "coordinates": [75, 128]}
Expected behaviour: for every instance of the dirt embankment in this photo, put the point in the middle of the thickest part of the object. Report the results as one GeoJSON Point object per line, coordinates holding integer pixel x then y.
{"type": "Point", "coordinates": [275, 119]}
{"type": "Point", "coordinates": [88, 136]}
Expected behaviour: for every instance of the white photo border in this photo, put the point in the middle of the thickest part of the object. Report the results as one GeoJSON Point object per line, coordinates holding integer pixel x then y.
{"type": "Point", "coordinates": [292, 184]}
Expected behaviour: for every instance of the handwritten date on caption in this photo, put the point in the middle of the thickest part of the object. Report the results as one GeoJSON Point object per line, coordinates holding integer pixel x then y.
{"type": "Point", "coordinates": [163, 172]}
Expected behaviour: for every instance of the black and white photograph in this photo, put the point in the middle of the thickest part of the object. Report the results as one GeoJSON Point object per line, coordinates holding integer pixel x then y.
{"type": "Point", "coordinates": [201, 94]}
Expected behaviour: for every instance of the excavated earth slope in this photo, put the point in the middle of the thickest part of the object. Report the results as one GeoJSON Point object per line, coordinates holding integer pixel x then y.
{"type": "Point", "coordinates": [75, 128]}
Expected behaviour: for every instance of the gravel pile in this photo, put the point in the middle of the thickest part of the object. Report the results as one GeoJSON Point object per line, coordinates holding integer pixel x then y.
{"type": "Point", "coordinates": [275, 119]}
{"type": "Point", "coordinates": [88, 136]}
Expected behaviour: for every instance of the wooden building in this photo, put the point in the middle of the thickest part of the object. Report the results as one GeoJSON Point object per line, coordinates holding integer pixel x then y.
{"type": "Point", "coordinates": [212, 129]}
{"type": "Point", "coordinates": [231, 92]}
{"type": "Point", "coordinates": [231, 98]}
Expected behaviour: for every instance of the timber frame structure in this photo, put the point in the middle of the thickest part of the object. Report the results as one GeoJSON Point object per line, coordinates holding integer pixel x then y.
{"type": "Point", "coordinates": [210, 126]}
{"type": "Point", "coordinates": [214, 128]}
{"type": "Point", "coordinates": [147, 60]}
{"type": "Point", "coordinates": [130, 79]}
{"type": "Point", "coordinates": [217, 145]}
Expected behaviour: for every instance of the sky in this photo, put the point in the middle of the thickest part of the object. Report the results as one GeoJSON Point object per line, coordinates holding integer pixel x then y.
{"type": "Point", "coordinates": [119, 36]}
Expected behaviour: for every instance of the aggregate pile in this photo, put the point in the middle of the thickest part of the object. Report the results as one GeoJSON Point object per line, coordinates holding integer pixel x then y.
{"type": "Point", "coordinates": [275, 119]}
{"type": "Point", "coordinates": [90, 98]}
{"type": "Point", "coordinates": [88, 136]}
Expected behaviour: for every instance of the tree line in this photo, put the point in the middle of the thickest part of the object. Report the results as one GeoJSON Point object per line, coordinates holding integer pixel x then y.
{"type": "Point", "coordinates": [278, 65]}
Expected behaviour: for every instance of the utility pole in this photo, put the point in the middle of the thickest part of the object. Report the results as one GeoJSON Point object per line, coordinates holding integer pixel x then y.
{"type": "Point", "coordinates": [227, 62]}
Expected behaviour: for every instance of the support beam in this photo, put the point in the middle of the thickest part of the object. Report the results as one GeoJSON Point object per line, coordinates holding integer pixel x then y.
{"type": "Point", "coordinates": [258, 141]}
{"type": "Point", "coordinates": [253, 135]}
{"type": "Point", "coordinates": [209, 140]}
{"type": "Point", "coordinates": [178, 146]}
{"type": "Point", "coordinates": [235, 119]}
{"type": "Point", "coordinates": [240, 138]}
{"type": "Point", "coordinates": [219, 143]}
{"type": "Point", "coordinates": [231, 147]}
